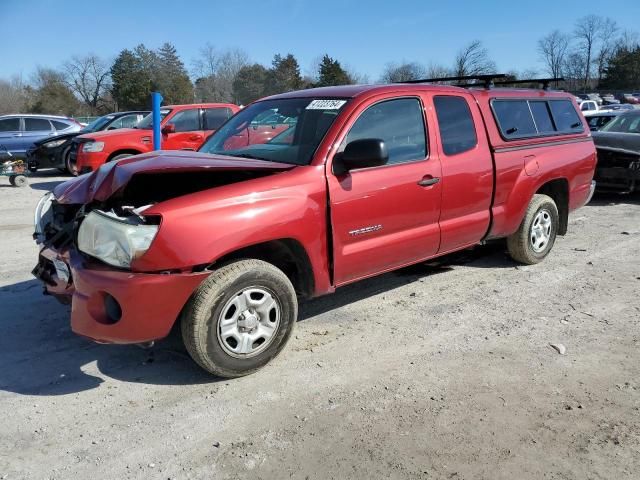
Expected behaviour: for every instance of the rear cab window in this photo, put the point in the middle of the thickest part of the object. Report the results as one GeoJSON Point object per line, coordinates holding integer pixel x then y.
{"type": "Point", "coordinates": [525, 118]}
{"type": "Point", "coordinates": [457, 130]}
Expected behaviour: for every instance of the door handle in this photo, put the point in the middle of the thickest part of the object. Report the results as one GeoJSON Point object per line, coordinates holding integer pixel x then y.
{"type": "Point", "coordinates": [428, 181]}
{"type": "Point", "coordinates": [195, 137]}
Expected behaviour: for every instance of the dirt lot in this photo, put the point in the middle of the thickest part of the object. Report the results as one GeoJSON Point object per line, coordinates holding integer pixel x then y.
{"type": "Point", "coordinates": [435, 371]}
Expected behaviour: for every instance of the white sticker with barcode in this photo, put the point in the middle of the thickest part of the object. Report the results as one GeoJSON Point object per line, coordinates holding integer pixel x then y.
{"type": "Point", "coordinates": [326, 104]}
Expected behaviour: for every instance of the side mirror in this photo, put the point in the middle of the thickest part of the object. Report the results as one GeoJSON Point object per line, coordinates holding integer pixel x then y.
{"type": "Point", "coordinates": [168, 128]}
{"type": "Point", "coordinates": [367, 152]}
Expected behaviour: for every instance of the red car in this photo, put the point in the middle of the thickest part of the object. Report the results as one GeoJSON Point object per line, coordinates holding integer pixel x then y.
{"type": "Point", "coordinates": [184, 127]}
{"type": "Point", "coordinates": [358, 180]}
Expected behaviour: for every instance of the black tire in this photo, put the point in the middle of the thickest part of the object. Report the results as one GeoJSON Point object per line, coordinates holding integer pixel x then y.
{"type": "Point", "coordinates": [19, 181]}
{"type": "Point", "coordinates": [69, 166]}
{"type": "Point", "coordinates": [521, 243]}
{"type": "Point", "coordinates": [202, 313]}
{"type": "Point", "coordinates": [12, 180]}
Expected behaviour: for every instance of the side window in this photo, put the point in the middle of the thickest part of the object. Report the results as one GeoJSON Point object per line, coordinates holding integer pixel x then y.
{"type": "Point", "coordinates": [457, 130]}
{"type": "Point", "coordinates": [399, 123]}
{"type": "Point", "coordinates": [10, 125]}
{"type": "Point", "coordinates": [542, 117]}
{"type": "Point", "coordinates": [186, 120]}
{"type": "Point", "coordinates": [215, 117]}
{"type": "Point", "coordinates": [36, 125]}
{"type": "Point", "coordinates": [514, 118]}
{"type": "Point", "coordinates": [128, 121]}
{"type": "Point", "coordinates": [565, 116]}
{"type": "Point", "coordinates": [60, 125]}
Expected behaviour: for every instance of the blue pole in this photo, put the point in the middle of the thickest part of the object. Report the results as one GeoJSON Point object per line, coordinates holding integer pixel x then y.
{"type": "Point", "coordinates": [156, 101]}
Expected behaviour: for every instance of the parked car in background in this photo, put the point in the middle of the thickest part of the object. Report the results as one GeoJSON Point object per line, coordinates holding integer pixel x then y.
{"type": "Point", "coordinates": [591, 96]}
{"type": "Point", "coordinates": [19, 132]}
{"type": "Point", "coordinates": [588, 106]}
{"type": "Point", "coordinates": [598, 120]}
{"type": "Point", "coordinates": [56, 152]}
{"type": "Point", "coordinates": [184, 127]}
{"type": "Point", "coordinates": [610, 99]}
{"type": "Point", "coordinates": [629, 98]}
{"type": "Point", "coordinates": [363, 180]}
{"type": "Point", "coordinates": [618, 146]}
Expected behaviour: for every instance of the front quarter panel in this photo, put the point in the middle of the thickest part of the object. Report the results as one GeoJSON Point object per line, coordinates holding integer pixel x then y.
{"type": "Point", "coordinates": [200, 228]}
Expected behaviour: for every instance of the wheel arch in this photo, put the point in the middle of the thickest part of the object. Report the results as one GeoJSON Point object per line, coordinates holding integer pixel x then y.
{"type": "Point", "coordinates": [558, 190]}
{"type": "Point", "coordinates": [287, 254]}
{"type": "Point", "coordinates": [121, 151]}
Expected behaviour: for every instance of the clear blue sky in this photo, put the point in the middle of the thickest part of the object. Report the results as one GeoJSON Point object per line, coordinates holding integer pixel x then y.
{"type": "Point", "coordinates": [363, 34]}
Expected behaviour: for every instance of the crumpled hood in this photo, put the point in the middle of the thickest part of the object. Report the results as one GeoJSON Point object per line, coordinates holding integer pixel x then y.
{"type": "Point", "coordinates": [53, 138]}
{"type": "Point", "coordinates": [619, 142]}
{"type": "Point", "coordinates": [113, 176]}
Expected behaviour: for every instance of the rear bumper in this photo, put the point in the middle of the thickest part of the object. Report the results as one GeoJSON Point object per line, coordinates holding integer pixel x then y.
{"type": "Point", "coordinates": [115, 306]}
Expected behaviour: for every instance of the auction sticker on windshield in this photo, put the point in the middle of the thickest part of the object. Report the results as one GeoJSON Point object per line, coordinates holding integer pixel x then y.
{"type": "Point", "coordinates": [326, 104]}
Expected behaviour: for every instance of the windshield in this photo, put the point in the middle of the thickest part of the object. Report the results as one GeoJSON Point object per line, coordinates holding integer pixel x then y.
{"type": "Point", "coordinates": [287, 130]}
{"type": "Point", "coordinates": [623, 124]}
{"type": "Point", "coordinates": [98, 124]}
{"type": "Point", "coordinates": [145, 123]}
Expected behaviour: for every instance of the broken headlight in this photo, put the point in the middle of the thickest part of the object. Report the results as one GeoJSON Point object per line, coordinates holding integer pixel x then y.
{"type": "Point", "coordinates": [115, 240]}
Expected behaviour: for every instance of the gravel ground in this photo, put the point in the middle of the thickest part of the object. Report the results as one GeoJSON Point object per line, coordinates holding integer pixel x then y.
{"type": "Point", "coordinates": [435, 371]}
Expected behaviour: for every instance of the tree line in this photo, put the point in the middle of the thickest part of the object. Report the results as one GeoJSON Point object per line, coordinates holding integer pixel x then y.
{"type": "Point", "coordinates": [595, 54]}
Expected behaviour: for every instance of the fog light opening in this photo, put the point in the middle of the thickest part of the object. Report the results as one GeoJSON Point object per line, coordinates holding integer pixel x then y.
{"type": "Point", "coordinates": [112, 309]}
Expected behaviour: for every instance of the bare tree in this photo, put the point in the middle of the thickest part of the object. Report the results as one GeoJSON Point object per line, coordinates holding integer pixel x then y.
{"type": "Point", "coordinates": [473, 60]}
{"type": "Point", "coordinates": [608, 37]}
{"type": "Point", "coordinates": [396, 73]}
{"type": "Point", "coordinates": [587, 33]}
{"type": "Point", "coordinates": [573, 70]}
{"type": "Point", "coordinates": [628, 40]}
{"type": "Point", "coordinates": [89, 78]}
{"type": "Point", "coordinates": [435, 70]}
{"type": "Point", "coordinates": [216, 71]}
{"type": "Point", "coordinates": [12, 95]}
{"type": "Point", "coordinates": [553, 50]}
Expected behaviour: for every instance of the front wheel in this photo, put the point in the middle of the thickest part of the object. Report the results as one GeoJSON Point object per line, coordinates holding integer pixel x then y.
{"type": "Point", "coordinates": [537, 233]}
{"type": "Point", "coordinates": [240, 318]}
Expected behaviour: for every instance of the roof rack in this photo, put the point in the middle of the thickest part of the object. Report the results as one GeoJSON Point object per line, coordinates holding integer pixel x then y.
{"type": "Point", "coordinates": [542, 81]}
{"type": "Point", "coordinates": [487, 80]}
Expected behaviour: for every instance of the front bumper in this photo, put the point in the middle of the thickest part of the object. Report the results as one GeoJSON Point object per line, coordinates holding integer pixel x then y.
{"type": "Point", "coordinates": [39, 158]}
{"type": "Point", "coordinates": [115, 306]}
{"type": "Point", "coordinates": [88, 162]}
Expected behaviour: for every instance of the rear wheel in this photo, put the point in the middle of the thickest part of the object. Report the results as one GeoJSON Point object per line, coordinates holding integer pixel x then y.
{"type": "Point", "coordinates": [537, 233]}
{"type": "Point", "coordinates": [240, 318]}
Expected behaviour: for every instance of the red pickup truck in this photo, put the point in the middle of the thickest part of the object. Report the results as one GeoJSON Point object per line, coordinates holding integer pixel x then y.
{"type": "Point", "coordinates": [184, 127]}
{"type": "Point", "coordinates": [358, 180]}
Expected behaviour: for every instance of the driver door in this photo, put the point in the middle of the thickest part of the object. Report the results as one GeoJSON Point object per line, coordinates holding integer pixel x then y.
{"type": "Point", "coordinates": [386, 217]}
{"type": "Point", "coordinates": [188, 134]}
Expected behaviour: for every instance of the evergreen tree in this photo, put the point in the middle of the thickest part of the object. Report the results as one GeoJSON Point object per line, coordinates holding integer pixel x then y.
{"type": "Point", "coordinates": [284, 74]}
{"type": "Point", "coordinates": [131, 80]}
{"type": "Point", "coordinates": [331, 73]}
{"type": "Point", "coordinates": [623, 71]}
{"type": "Point", "coordinates": [250, 83]}
{"type": "Point", "coordinates": [171, 78]}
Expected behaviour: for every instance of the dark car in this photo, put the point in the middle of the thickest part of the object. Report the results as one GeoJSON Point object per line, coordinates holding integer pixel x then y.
{"type": "Point", "coordinates": [55, 152]}
{"type": "Point", "coordinates": [599, 119]}
{"type": "Point", "coordinates": [618, 146]}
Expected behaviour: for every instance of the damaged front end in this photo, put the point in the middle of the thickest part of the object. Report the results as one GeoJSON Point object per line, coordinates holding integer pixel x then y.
{"type": "Point", "coordinates": [618, 170]}
{"type": "Point", "coordinates": [93, 229]}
